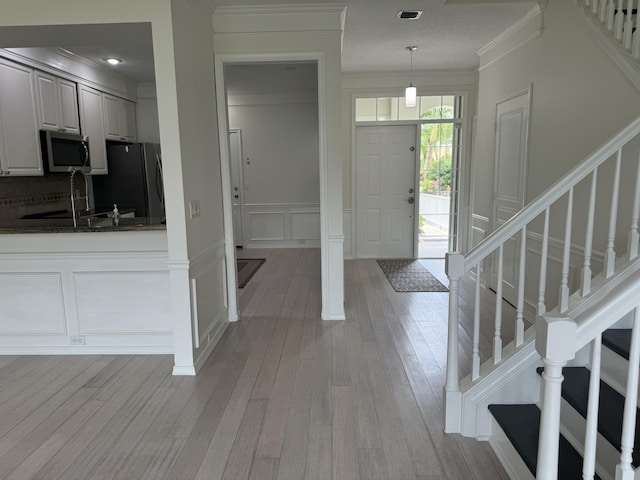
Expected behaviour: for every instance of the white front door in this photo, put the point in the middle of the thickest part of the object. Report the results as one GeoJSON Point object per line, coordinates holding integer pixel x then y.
{"type": "Point", "coordinates": [385, 198]}
{"type": "Point", "coordinates": [235, 159]}
{"type": "Point", "coordinates": [510, 168]}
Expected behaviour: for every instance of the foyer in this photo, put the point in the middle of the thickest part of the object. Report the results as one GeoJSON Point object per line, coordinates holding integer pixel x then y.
{"type": "Point", "coordinates": [284, 394]}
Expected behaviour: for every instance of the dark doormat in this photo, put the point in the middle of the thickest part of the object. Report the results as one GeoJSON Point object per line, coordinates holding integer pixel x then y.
{"type": "Point", "coordinates": [247, 268]}
{"type": "Point", "coordinates": [408, 275]}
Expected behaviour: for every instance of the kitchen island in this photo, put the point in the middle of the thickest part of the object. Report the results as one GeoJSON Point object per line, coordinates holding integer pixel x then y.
{"type": "Point", "coordinates": [86, 289]}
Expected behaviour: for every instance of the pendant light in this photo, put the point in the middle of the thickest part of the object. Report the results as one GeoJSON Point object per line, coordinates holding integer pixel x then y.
{"type": "Point", "coordinates": [410, 94]}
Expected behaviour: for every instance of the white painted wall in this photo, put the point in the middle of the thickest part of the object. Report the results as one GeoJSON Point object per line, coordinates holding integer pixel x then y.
{"type": "Point", "coordinates": [579, 100]}
{"type": "Point", "coordinates": [281, 143]}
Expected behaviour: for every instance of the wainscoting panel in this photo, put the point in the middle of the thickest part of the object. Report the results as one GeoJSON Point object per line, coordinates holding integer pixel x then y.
{"type": "Point", "coordinates": [32, 304]}
{"type": "Point", "coordinates": [114, 300]}
{"type": "Point", "coordinates": [209, 299]}
{"type": "Point", "coordinates": [282, 225]}
{"type": "Point", "coordinates": [305, 225]}
{"type": "Point", "coordinates": [479, 229]}
{"type": "Point", "coordinates": [121, 303]}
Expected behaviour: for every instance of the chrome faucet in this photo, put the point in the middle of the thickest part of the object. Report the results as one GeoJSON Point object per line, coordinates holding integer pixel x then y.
{"type": "Point", "coordinates": [86, 175]}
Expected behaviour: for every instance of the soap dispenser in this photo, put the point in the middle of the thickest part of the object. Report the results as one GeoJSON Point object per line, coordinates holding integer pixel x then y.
{"type": "Point", "coordinates": [115, 219]}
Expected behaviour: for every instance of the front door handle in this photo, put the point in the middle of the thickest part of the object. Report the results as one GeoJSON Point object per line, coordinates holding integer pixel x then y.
{"type": "Point", "coordinates": [410, 200]}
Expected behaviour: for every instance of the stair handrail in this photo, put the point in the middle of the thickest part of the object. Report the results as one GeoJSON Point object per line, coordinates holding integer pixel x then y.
{"type": "Point", "coordinates": [458, 264]}
{"type": "Point", "coordinates": [550, 195]}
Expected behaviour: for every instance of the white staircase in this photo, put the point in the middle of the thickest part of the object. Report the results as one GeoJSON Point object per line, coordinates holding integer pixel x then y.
{"type": "Point", "coordinates": [593, 212]}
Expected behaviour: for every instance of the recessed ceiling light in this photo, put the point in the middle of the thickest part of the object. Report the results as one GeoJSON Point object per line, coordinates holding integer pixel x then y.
{"type": "Point", "coordinates": [113, 61]}
{"type": "Point", "coordinates": [409, 14]}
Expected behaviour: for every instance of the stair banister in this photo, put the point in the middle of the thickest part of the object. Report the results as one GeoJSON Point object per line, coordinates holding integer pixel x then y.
{"type": "Point", "coordinates": [549, 196]}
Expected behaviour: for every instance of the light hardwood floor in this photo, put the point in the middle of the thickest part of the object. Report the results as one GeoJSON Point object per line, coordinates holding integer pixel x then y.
{"type": "Point", "coordinates": [285, 395]}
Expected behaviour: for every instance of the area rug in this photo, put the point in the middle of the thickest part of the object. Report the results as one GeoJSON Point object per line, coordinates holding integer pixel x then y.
{"type": "Point", "coordinates": [247, 268]}
{"type": "Point", "coordinates": [407, 275]}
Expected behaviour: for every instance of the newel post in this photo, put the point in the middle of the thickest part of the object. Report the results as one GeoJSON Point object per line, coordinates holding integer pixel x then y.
{"type": "Point", "coordinates": [556, 344]}
{"type": "Point", "coordinates": [454, 265]}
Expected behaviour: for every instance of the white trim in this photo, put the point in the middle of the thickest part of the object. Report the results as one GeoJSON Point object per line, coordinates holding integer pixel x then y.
{"type": "Point", "coordinates": [87, 350]}
{"type": "Point", "coordinates": [520, 33]}
{"type": "Point", "coordinates": [220, 60]}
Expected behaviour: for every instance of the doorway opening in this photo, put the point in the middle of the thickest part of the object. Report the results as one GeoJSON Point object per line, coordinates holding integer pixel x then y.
{"type": "Point", "coordinates": [439, 122]}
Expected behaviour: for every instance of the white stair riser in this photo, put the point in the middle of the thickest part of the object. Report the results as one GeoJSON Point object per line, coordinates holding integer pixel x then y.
{"type": "Point", "coordinates": [614, 371]}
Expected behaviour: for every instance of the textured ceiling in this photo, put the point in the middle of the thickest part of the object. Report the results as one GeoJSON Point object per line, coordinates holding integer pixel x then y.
{"type": "Point", "coordinates": [448, 35]}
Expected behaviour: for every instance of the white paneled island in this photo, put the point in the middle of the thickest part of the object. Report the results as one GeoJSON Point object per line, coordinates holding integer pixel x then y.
{"type": "Point", "coordinates": [85, 292]}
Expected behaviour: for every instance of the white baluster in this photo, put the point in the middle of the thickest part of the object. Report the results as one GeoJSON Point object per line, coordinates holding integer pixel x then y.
{"type": "Point", "coordinates": [611, 11]}
{"type": "Point", "coordinates": [618, 21]}
{"type": "Point", "coordinates": [475, 371]}
{"type": "Point", "coordinates": [595, 7]}
{"type": "Point", "coordinates": [624, 470]}
{"type": "Point", "coordinates": [632, 243]}
{"type": "Point", "coordinates": [566, 257]}
{"type": "Point", "coordinates": [628, 26]}
{"type": "Point", "coordinates": [591, 434]}
{"type": "Point", "coordinates": [602, 16]}
{"type": "Point", "coordinates": [497, 336]}
{"type": "Point", "coordinates": [521, 280]}
{"type": "Point", "coordinates": [588, 241]}
{"type": "Point", "coordinates": [543, 264]}
{"type": "Point", "coordinates": [587, 3]}
{"type": "Point", "coordinates": [635, 47]}
{"type": "Point", "coordinates": [453, 399]}
{"type": "Point", "coordinates": [556, 344]}
{"type": "Point", "coordinates": [610, 254]}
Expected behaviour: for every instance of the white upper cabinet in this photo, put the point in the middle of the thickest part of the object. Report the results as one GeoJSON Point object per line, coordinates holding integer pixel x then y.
{"type": "Point", "coordinates": [57, 103]}
{"type": "Point", "coordinates": [91, 117]}
{"type": "Point", "coordinates": [19, 136]}
{"type": "Point", "coordinates": [119, 118]}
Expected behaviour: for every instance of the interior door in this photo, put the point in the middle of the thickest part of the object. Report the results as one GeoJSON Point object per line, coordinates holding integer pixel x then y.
{"type": "Point", "coordinates": [235, 158]}
{"type": "Point", "coordinates": [510, 169]}
{"type": "Point", "coordinates": [385, 198]}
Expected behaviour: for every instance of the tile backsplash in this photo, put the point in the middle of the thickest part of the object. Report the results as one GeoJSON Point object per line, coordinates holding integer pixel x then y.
{"type": "Point", "coordinates": [27, 195]}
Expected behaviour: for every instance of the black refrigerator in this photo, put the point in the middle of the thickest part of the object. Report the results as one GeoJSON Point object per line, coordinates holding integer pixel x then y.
{"type": "Point", "coordinates": [134, 180]}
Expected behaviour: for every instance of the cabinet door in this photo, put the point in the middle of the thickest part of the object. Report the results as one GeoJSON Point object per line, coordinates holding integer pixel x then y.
{"type": "Point", "coordinates": [91, 118]}
{"type": "Point", "coordinates": [19, 137]}
{"type": "Point", "coordinates": [68, 111]}
{"type": "Point", "coordinates": [111, 106]}
{"type": "Point", "coordinates": [128, 119]}
{"type": "Point", "coordinates": [46, 98]}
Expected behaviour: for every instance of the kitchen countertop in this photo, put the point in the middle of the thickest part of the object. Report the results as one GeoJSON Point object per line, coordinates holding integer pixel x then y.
{"type": "Point", "coordinates": [65, 225]}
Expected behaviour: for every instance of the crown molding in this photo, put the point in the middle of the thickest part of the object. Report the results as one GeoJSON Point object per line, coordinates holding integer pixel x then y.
{"type": "Point", "coordinates": [520, 33]}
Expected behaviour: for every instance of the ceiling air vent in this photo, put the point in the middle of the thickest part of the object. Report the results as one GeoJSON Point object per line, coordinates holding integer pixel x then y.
{"type": "Point", "coordinates": [409, 14]}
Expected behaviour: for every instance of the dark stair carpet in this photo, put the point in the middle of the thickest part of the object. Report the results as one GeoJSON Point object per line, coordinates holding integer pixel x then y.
{"type": "Point", "coordinates": [618, 340]}
{"type": "Point", "coordinates": [521, 424]}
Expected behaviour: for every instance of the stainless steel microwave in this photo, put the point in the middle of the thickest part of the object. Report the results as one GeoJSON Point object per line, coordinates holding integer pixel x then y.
{"type": "Point", "coordinates": [64, 152]}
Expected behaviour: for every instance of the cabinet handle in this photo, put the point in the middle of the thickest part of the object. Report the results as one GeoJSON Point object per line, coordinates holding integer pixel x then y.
{"type": "Point", "coordinates": [62, 129]}
{"type": "Point", "coordinates": [123, 138]}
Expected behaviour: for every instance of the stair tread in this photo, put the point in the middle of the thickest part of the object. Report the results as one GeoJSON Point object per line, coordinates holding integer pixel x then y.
{"type": "Point", "coordinates": [618, 340]}
{"type": "Point", "coordinates": [521, 424]}
{"type": "Point", "coordinates": [575, 390]}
